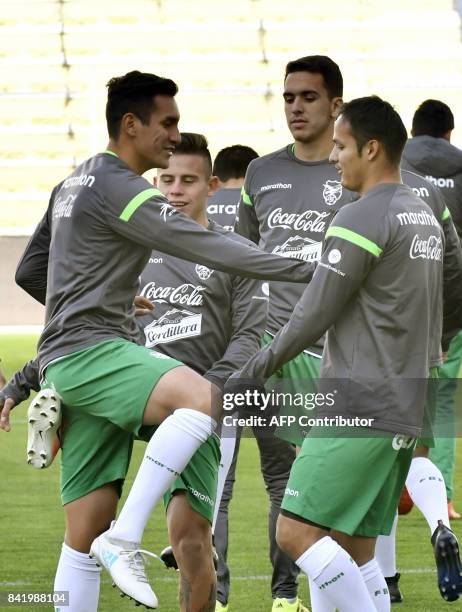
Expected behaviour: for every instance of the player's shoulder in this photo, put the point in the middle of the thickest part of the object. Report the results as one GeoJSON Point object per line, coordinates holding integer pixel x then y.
{"type": "Point", "coordinates": [216, 227]}
{"type": "Point", "coordinates": [264, 160]}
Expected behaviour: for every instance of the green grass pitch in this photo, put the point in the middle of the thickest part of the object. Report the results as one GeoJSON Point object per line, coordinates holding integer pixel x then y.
{"type": "Point", "coordinates": [32, 528]}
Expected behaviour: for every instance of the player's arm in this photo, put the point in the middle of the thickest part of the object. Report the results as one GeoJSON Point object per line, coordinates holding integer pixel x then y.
{"type": "Point", "coordinates": [247, 224]}
{"type": "Point", "coordinates": [334, 284]}
{"type": "Point", "coordinates": [248, 320]}
{"type": "Point", "coordinates": [32, 270]}
{"type": "Point", "coordinates": [452, 281]}
{"type": "Point", "coordinates": [148, 219]}
{"type": "Point", "coordinates": [17, 390]}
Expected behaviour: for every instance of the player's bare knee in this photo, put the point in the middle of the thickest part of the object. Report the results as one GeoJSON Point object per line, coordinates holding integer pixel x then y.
{"type": "Point", "coordinates": [192, 550]}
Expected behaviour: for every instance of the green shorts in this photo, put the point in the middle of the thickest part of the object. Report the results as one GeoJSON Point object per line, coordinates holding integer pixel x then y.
{"type": "Point", "coordinates": [297, 380]}
{"type": "Point", "coordinates": [352, 485]}
{"type": "Point", "coordinates": [199, 479]}
{"type": "Point", "coordinates": [98, 424]}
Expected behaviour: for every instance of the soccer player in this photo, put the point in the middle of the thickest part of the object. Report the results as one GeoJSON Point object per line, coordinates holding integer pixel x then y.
{"type": "Point", "coordinates": [211, 320]}
{"type": "Point", "coordinates": [430, 153]}
{"type": "Point", "coordinates": [229, 166]}
{"type": "Point", "coordinates": [97, 236]}
{"type": "Point", "coordinates": [376, 292]}
{"type": "Point", "coordinates": [289, 198]}
{"type": "Point", "coordinates": [196, 308]}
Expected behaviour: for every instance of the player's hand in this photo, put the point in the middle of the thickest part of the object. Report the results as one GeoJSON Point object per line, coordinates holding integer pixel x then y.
{"type": "Point", "coordinates": [250, 390]}
{"type": "Point", "coordinates": [143, 306]}
{"type": "Point", "coordinates": [8, 406]}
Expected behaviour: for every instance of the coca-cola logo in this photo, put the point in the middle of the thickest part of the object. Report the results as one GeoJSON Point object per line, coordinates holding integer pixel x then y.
{"type": "Point", "coordinates": [430, 248]}
{"type": "Point", "coordinates": [183, 295]}
{"type": "Point", "coordinates": [306, 221]}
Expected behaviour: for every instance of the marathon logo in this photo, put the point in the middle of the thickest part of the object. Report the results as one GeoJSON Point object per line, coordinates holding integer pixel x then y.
{"type": "Point", "coordinates": [222, 209]}
{"type": "Point", "coordinates": [298, 247]}
{"type": "Point", "coordinates": [446, 183]}
{"type": "Point", "coordinates": [276, 186]}
{"type": "Point", "coordinates": [83, 180]}
{"type": "Point", "coordinates": [173, 325]}
{"type": "Point", "coordinates": [421, 217]}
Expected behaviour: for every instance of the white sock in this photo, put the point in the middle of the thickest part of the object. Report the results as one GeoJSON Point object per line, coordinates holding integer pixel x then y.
{"type": "Point", "coordinates": [427, 490]}
{"type": "Point", "coordinates": [335, 573]}
{"type": "Point", "coordinates": [80, 576]}
{"type": "Point", "coordinates": [376, 585]}
{"type": "Point", "coordinates": [167, 454]}
{"type": "Point", "coordinates": [319, 603]}
{"type": "Point", "coordinates": [227, 446]}
{"type": "Point", "coordinates": [385, 551]}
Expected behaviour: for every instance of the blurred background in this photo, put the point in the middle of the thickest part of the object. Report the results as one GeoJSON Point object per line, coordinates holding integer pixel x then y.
{"type": "Point", "coordinates": [228, 59]}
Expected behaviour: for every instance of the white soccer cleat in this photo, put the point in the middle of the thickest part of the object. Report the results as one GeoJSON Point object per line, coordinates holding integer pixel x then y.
{"type": "Point", "coordinates": [43, 421]}
{"type": "Point", "coordinates": [125, 563]}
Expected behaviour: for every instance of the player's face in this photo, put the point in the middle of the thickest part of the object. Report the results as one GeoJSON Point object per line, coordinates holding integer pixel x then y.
{"type": "Point", "coordinates": [156, 141]}
{"type": "Point", "coordinates": [187, 184]}
{"type": "Point", "coordinates": [309, 111]}
{"type": "Point", "coordinates": [351, 164]}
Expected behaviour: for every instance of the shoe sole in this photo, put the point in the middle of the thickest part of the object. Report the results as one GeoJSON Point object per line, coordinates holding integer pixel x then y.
{"type": "Point", "coordinates": [168, 558]}
{"type": "Point", "coordinates": [94, 554]}
{"type": "Point", "coordinates": [449, 567]}
{"type": "Point", "coordinates": [43, 421]}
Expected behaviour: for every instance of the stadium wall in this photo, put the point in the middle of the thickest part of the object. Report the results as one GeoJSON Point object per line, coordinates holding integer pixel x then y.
{"type": "Point", "coordinates": [16, 307]}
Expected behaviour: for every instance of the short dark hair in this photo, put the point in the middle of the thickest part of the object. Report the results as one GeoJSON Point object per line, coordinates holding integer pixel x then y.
{"type": "Point", "coordinates": [323, 65]}
{"type": "Point", "coordinates": [432, 118]}
{"type": "Point", "coordinates": [231, 162]}
{"type": "Point", "coordinates": [195, 144]}
{"type": "Point", "coordinates": [373, 118]}
{"type": "Point", "coordinates": [134, 93]}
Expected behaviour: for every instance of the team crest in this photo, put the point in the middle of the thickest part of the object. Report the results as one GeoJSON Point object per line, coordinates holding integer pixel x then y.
{"type": "Point", "coordinates": [203, 272]}
{"type": "Point", "coordinates": [332, 192]}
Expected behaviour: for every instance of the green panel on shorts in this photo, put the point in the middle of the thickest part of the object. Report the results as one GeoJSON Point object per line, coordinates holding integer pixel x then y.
{"type": "Point", "coordinates": [304, 368]}
{"type": "Point", "coordinates": [94, 452]}
{"type": "Point", "coordinates": [104, 390]}
{"type": "Point", "coordinates": [111, 380]}
{"type": "Point", "coordinates": [199, 479]}
{"type": "Point", "coordinates": [352, 485]}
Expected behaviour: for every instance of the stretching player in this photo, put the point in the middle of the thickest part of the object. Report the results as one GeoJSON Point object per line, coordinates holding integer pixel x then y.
{"type": "Point", "coordinates": [96, 238]}
{"type": "Point", "coordinates": [425, 482]}
{"type": "Point", "coordinates": [377, 292]}
{"type": "Point", "coordinates": [195, 309]}
{"type": "Point", "coordinates": [289, 198]}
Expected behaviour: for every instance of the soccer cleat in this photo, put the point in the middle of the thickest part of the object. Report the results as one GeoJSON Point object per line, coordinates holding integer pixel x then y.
{"type": "Point", "coordinates": [219, 607]}
{"type": "Point", "coordinates": [405, 502]}
{"type": "Point", "coordinates": [125, 563]}
{"type": "Point", "coordinates": [281, 604]}
{"type": "Point", "coordinates": [169, 560]}
{"type": "Point", "coordinates": [43, 421]}
{"type": "Point", "coordinates": [393, 588]}
{"type": "Point", "coordinates": [448, 564]}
